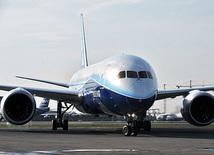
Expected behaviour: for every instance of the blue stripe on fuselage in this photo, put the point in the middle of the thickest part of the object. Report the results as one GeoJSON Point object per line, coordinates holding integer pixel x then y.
{"type": "Point", "coordinates": [99, 99]}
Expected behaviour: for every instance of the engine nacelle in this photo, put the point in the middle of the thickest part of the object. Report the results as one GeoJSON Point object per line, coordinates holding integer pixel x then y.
{"type": "Point", "coordinates": [198, 108]}
{"type": "Point", "coordinates": [18, 106]}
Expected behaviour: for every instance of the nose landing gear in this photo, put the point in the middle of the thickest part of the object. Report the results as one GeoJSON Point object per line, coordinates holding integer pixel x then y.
{"type": "Point", "coordinates": [135, 124]}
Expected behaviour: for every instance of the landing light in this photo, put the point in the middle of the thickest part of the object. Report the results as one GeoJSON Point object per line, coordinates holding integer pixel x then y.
{"type": "Point", "coordinates": [131, 115]}
{"type": "Point", "coordinates": [79, 95]}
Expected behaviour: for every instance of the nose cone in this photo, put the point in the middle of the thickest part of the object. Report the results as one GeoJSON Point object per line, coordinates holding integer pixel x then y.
{"type": "Point", "coordinates": [139, 105]}
{"type": "Point", "coordinates": [130, 76]}
{"type": "Point", "coordinates": [141, 90]}
{"type": "Point", "coordinates": [141, 95]}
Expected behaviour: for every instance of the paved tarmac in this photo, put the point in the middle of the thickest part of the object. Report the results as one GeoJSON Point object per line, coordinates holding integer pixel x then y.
{"type": "Point", "coordinates": [106, 141]}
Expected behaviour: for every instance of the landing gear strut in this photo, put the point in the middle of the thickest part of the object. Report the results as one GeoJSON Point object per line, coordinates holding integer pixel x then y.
{"type": "Point", "coordinates": [59, 122]}
{"type": "Point", "coordinates": [135, 123]}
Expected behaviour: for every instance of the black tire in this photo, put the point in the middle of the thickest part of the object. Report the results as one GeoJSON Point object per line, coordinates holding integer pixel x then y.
{"type": "Point", "coordinates": [54, 124]}
{"type": "Point", "coordinates": [147, 126]}
{"type": "Point", "coordinates": [135, 131]}
{"type": "Point", "coordinates": [65, 125]}
{"type": "Point", "coordinates": [127, 130]}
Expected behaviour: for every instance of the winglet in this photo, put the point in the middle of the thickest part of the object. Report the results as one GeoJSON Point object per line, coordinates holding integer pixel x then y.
{"type": "Point", "coordinates": [84, 51]}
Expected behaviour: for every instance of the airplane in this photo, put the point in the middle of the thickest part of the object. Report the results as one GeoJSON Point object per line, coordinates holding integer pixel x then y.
{"type": "Point", "coordinates": [43, 107]}
{"type": "Point", "coordinates": [120, 85]}
{"type": "Point", "coordinates": [169, 117]}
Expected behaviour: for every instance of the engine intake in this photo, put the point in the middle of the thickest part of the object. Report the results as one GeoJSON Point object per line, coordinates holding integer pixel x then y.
{"type": "Point", "coordinates": [18, 106]}
{"type": "Point", "coordinates": [198, 108]}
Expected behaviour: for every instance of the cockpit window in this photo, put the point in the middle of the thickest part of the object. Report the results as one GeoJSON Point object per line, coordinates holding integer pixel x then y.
{"type": "Point", "coordinates": [121, 75]}
{"type": "Point", "coordinates": [149, 75]}
{"type": "Point", "coordinates": [142, 74]}
{"type": "Point", "coordinates": [132, 74]}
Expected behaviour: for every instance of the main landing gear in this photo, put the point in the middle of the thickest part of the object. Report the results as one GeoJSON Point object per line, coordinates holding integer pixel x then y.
{"type": "Point", "coordinates": [135, 123]}
{"type": "Point", "coordinates": [59, 122]}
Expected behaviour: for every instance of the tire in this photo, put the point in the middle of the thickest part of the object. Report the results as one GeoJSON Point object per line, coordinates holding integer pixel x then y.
{"type": "Point", "coordinates": [135, 131]}
{"type": "Point", "coordinates": [65, 125]}
{"type": "Point", "coordinates": [147, 126]}
{"type": "Point", "coordinates": [54, 124]}
{"type": "Point", "coordinates": [127, 130]}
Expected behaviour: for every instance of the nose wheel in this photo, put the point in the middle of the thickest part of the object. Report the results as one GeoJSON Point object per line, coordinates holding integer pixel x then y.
{"type": "Point", "coordinates": [127, 130]}
{"type": "Point", "coordinates": [130, 131]}
{"type": "Point", "coordinates": [134, 126]}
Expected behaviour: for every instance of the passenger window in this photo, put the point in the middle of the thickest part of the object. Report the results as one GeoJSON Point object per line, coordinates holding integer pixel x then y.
{"type": "Point", "coordinates": [142, 74]}
{"type": "Point", "coordinates": [132, 74]}
{"type": "Point", "coordinates": [121, 75]}
{"type": "Point", "coordinates": [149, 75]}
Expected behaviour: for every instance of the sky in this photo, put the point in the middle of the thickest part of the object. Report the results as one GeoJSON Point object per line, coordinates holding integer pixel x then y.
{"type": "Point", "coordinates": [42, 38]}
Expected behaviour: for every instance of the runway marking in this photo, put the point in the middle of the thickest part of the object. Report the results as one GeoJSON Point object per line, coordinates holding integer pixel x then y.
{"type": "Point", "coordinates": [87, 150]}
{"type": "Point", "coordinates": [70, 151]}
{"type": "Point", "coordinates": [90, 150]}
{"type": "Point", "coordinates": [208, 149]}
{"type": "Point", "coordinates": [103, 150]}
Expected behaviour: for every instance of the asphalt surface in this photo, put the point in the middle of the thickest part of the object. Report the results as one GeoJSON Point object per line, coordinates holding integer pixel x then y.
{"type": "Point", "coordinates": [106, 141]}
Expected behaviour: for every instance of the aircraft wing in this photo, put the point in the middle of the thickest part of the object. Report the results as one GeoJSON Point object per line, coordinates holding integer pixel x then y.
{"type": "Point", "coordinates": [162, 94]}
{"type": "Point", "coordinates": [64, 95]}
{"type": "Point", "coordinates": [45, 81]}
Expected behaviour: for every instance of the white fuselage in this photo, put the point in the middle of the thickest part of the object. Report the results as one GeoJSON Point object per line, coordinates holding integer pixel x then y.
{"type": "Point", "coordinates": [126, 75]}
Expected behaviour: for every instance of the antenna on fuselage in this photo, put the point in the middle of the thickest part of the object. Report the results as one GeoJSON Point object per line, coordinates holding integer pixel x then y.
{"type": "Point", "coordinates": [84, 51]}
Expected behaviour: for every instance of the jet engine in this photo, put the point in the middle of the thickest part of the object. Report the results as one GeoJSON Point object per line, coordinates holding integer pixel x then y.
{"type": "Point", "coordinates": [18, 106]}
{"type": "Point", "coordinates": [198, 108]}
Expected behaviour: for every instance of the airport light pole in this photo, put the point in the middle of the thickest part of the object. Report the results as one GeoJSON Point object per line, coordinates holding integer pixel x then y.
{"type": "Point", "coordinates": [164, 100]}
